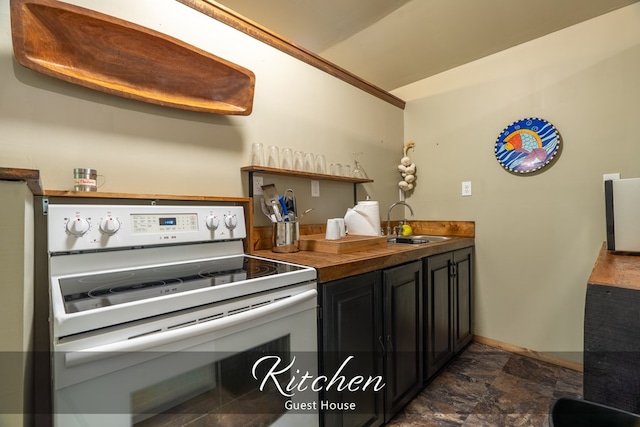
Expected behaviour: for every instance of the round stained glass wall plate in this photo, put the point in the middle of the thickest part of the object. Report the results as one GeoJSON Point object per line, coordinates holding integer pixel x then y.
{"type": "Point", "coordinates": [527, 145]}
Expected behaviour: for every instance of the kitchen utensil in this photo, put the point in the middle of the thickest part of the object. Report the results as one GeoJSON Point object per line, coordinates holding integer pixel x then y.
{"type": "Point", "coordinates": [272, 197]}
{"type": "Point", "coordinates": [306, 212]}
{"type": "Point", "coordinates": [290, 201]}
{"type": "Point", "coordinates": [289, 204]}
{"type": "Point", "coordinates": [283, 205]}
{"type": "Point", "coordinates": [265, 210]}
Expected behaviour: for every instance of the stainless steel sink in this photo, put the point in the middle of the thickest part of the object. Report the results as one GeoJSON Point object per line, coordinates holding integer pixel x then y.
{"type": "Point", "coordinates": [417, 239]}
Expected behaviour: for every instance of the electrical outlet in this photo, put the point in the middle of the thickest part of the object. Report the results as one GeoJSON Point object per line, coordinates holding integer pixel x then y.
{"type": "Point", "coordinates": [466, 188]}
{"type": "Point", "coordinates": [258, 182]}
{"type": "Point", "coordinates": [315, 188]}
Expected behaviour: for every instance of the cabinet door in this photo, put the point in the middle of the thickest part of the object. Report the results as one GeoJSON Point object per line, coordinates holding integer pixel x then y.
{"type": "Point", "coordinates": [352, 325]}
{"type": "Point", "coordinates": [402, 335]}
{"type": "Point", "coordinates": [438, 307]}
{"type": "Point", "coordinates": [612, 346]}
{"type": "Point", "coordinates": [462, 279]}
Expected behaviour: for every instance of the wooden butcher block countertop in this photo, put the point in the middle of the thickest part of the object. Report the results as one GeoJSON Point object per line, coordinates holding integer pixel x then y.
{"type": "Point", "coordinates": [337, 266]}
{"type": "Point", "coordinates": [616, 269]}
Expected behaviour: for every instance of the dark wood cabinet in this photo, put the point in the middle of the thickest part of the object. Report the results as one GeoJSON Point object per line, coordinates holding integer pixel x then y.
{"type": "Point", "coordinates": [612, 331]}
{"type": "Point", "coordinates": [402, 335]}
{"type": "Point", "coordinates": [352, 325]}
{"type": "Point", "coordinates": [447, 307]}
{"type": "Point", "coordinates": [612, 347]}
{"type": "Point", "coordinates": [403, 323]}
{"type": "Point", "coordinates": [462, 279]}
{"type": "Point", "coordinates": [377, 318]}
{"type": "Point", "coordinates": [438, 309]}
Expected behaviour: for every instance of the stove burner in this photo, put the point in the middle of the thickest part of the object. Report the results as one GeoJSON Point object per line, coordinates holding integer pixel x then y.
{"type": "Point", "coordinates": [177, 268]}
{"type": "Point", "coordinates": [251, 269]}
{"type": "Point", "coordinates": [150, 284]}
{"type": "Point", "coordinates": [260, 270]}
{"type": "Point", "coordinates": [112, 278]}
{"type": "Point", "coordinates": [210, 273]}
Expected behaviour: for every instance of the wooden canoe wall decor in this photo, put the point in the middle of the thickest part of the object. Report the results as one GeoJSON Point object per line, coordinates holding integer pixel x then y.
{"type": "Point", "coordinates": [111, 55]}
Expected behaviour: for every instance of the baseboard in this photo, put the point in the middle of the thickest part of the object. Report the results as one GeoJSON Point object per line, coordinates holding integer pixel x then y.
{"type": "Point", "coordinates": [559, 361]}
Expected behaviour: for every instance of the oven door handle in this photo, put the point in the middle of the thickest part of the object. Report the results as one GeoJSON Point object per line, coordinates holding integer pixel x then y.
{"type": "Point", "coordinates": [153, 341]}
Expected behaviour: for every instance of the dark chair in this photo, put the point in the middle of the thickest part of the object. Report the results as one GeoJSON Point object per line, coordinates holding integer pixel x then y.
{"type": "Point", "coordinates": [567, 412]}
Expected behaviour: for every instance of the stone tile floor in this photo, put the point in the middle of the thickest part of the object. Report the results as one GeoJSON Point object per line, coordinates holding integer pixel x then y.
{"type": "Point", "coordinates": [485, 386]}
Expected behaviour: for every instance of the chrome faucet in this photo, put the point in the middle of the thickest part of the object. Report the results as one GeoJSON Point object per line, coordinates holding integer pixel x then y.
{"type": "Point", "coordinates": [389, 214]}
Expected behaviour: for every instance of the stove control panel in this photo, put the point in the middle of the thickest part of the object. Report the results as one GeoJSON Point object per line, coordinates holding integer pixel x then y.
{"type": "Point", "coordinates": [91, 227]}
{"type": "Point", "coordinates": [160, 223]}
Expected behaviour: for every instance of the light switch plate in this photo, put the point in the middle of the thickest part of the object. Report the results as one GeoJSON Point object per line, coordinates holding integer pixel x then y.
{"type": "Point", "coordinates": [315, 188]}
{"type": "Point", "coordinates": [466, 188]}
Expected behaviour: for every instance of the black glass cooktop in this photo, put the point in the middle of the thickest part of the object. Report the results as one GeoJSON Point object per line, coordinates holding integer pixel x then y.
{"type": "Point", "coordinates": [81, 293]}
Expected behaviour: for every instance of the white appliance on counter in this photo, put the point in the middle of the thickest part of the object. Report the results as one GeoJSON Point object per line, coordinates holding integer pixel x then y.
{"type": "Point", "coordinates": [622, 210]}
{"type": "Point", "coordinates": [158, 316]}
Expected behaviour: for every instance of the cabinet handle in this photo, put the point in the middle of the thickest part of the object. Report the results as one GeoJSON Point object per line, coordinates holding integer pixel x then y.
{"type": "Point", "coordinates": [384, 351]}
{"type": "Point", "coordinates": [453, 270]}
{"type": "Point", "coordinates": [389, 343]}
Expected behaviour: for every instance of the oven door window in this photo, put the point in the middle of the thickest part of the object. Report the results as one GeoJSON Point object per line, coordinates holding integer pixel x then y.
{"type": "Point", "coordinates": [215, 392]}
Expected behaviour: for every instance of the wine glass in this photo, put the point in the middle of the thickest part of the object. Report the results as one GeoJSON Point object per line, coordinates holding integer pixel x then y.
{"type": "Point", "coordinates": [358, 170]}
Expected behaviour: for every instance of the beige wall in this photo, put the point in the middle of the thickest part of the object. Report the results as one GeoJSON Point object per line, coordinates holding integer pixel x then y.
{"type": "Point", "coordinates": [16, 304]}
{"type": "Point", "coordinates": [54, 126]}
{"type": "Point", "coordinates": [537, 235]}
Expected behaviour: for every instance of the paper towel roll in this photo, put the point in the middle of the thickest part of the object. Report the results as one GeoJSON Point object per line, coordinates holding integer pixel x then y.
{"type": "Point", "coordinates": [363, 219]}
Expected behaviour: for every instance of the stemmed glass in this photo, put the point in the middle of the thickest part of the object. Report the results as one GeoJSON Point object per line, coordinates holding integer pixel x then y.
{"type": "Point", "coordinates": [358, 170]}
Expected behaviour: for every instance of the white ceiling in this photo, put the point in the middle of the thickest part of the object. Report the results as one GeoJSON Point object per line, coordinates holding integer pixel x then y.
{"type": "Point", "coordinates": [392, 43]}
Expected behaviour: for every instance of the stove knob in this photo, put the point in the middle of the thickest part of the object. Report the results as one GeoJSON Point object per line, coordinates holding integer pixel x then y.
{"type": "Point", "coordinates": [231, 221]}
{"type": "Point", "coordinates": [77, 226]}
{"type": "Point", "coordinates": [212, 222]}
{"type": "Point", "coordinates": [110, 226]}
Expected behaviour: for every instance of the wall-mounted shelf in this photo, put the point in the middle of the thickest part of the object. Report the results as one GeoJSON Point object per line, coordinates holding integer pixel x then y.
{"type": "Point", "coordinates": [309, 175]}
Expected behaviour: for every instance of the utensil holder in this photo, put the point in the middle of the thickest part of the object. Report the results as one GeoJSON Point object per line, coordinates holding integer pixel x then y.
{"type": "Point", "coordinates": [286, 237]}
